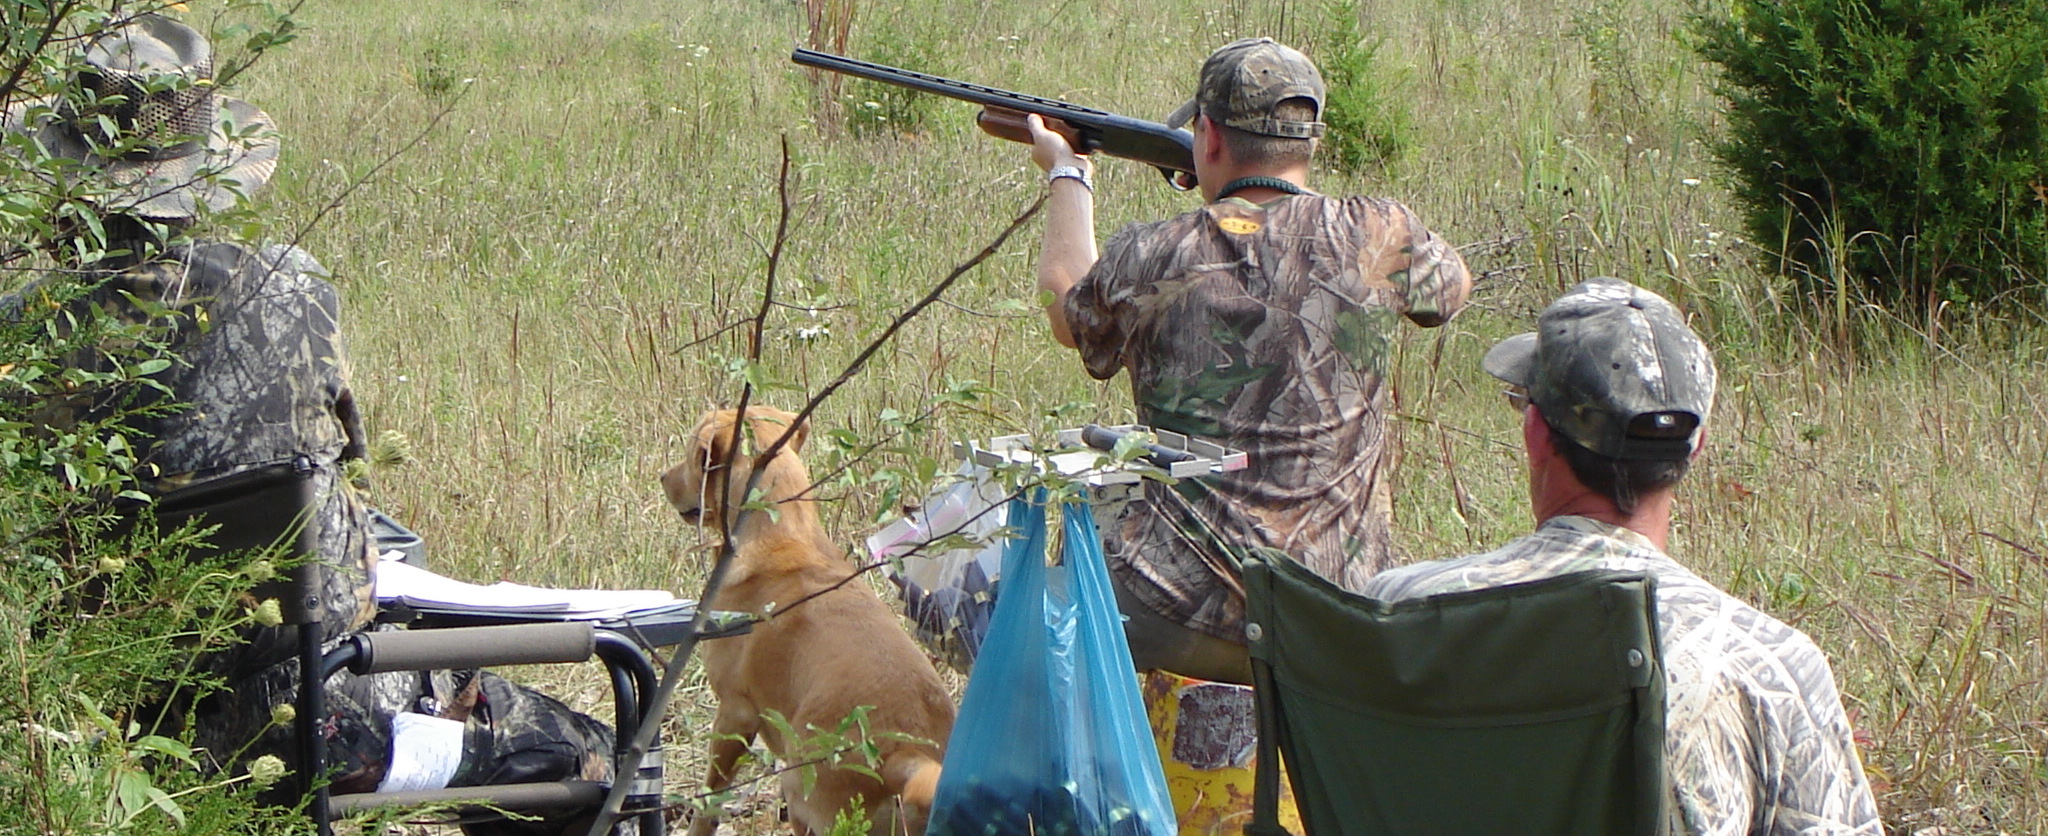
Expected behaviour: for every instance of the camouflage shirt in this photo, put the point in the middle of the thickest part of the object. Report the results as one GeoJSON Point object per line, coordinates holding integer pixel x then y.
{"type": "Point", "coordinates": [1756, 738]}
{"type": "Point", "coordinates": [258, 375]}
{"type": "Point", "coordinates": [1264, 328]}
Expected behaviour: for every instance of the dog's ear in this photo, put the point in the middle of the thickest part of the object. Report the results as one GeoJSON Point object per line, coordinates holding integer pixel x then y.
{"type": "Point", "coordinates": [770, 424]}
{"type": "Point", "coordinates": [714, 442]}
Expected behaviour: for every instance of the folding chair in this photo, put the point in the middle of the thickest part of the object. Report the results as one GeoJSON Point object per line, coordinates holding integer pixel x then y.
{"type": "Point", "coordinates": [266, 508]}
{"type": "Point", "coordinates": [1530, 709]}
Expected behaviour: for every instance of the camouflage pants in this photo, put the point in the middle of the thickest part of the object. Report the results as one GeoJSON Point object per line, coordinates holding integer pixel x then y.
{"type": "Point", "coordinates": [514, 734]}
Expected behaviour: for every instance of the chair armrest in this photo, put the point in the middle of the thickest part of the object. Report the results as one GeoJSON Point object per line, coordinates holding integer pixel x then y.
{"type": "Point", "coordinates": [472, 647]}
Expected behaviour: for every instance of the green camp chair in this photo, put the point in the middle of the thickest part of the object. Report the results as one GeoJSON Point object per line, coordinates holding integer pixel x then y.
{"type": "Point", "coordinates": [1530, 709]}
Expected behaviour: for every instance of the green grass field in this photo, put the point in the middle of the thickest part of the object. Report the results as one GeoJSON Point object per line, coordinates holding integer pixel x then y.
{"type": "Point", "coordinates": [539, 292]}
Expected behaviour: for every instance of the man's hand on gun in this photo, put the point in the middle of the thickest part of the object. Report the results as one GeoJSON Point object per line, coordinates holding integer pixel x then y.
{"type": "Point", "coordinates": [1049, 146]}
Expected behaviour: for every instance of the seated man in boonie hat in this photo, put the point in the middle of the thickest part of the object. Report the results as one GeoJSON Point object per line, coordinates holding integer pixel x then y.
{"type": "Point", "coordinates": [261, 379]}
{"type": "Point", "coordinates": [1614, 392]}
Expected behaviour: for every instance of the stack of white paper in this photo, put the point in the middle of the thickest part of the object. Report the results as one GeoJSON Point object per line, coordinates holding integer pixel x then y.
{"type": "Point", "coordinates": [415, 587]}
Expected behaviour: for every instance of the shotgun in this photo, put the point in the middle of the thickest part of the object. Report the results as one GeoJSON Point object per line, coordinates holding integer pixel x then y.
{"type": "Point", "coordinates": [1171, 150]}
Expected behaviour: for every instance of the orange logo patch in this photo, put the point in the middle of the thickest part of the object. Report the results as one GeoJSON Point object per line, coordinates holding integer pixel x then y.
{"type": "Point", "coordinates": [1238, 226]}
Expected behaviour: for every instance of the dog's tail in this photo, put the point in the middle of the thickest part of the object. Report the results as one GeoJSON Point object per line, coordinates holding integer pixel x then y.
{"type": "Point", "coordinates": [917, 776]}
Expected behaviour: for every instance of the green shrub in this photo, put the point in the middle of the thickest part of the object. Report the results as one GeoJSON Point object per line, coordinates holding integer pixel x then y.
{"type": "Point", "coordinates": [1896, 147]}
{"type": "Point", "coordinates": [1370, 129]}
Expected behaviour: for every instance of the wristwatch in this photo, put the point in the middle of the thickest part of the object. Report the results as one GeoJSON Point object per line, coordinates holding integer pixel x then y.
{"type": "Point", "coordinates": [1071, 172]}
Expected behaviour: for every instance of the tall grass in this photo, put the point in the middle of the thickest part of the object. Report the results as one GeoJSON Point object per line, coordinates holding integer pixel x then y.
{"type": "Point", "coordinates": [536, 296]}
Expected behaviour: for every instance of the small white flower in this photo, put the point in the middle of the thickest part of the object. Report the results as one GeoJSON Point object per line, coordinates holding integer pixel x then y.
{"type": "Point", "coordinates": [56, 735]}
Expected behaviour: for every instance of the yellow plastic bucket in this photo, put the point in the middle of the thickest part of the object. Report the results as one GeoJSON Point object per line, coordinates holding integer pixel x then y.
{"type": "Point", "coordinates": [1207, 733]}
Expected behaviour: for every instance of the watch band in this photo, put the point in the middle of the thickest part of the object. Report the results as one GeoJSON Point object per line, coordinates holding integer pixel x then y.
{"type": "Point", "coordinates": [1071, 172]}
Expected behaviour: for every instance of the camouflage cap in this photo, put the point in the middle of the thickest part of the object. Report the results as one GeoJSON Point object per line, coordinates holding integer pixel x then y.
{"type": "Point", "coordinates": [1244, 80]}
{"type": "Point", "coordinates": [1614, 368]}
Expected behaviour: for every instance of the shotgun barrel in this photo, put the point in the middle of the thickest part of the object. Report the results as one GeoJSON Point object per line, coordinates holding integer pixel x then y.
{"type": "Point", "coordinates": [1171, 150]}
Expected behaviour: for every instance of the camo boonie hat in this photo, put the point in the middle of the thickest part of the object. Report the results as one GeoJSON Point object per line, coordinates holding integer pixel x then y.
{"type": "Point", "coordinates": [177, 145]}
{"type": "Point", "coordinates": [1244, 80]}
{"type": "Point", "coordinates": [1614, 368]}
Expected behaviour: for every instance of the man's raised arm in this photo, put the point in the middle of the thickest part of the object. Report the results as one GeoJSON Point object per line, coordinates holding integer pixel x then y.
{"type": "Point", "coordinates": [1069, 249]}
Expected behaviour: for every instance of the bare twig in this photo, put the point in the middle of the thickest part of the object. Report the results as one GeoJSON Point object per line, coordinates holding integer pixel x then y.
{"type": "Point", "coordinates": [335, 202]}
{"type": "Point", "coordinates": [986, 314]}
{"type": "Point", "coordinates": [901, 320]}
{"type": "Point", "coordinates": [722, 330]}
{"type": "Point", "coordinates": [781, 611]}
{"type": "Point", "coordinates": [2028, 553]}
{"type": "Point", "coordinates": [672, 669]}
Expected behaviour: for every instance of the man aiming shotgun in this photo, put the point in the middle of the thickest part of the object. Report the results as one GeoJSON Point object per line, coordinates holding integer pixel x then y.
{"type": "Point", "coordinates": [1260, 320]}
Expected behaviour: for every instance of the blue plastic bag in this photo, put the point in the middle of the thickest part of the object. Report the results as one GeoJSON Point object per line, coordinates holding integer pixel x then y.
{"type": "Point", "coordinates": [1052, 738]}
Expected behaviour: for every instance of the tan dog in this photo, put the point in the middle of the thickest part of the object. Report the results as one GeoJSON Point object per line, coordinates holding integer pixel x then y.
{"type": "Point", "coordinates": [814, 662]}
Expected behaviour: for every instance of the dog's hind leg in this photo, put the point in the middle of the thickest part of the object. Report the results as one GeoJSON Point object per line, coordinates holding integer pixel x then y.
{"type": "Point", "coordinates": [731, 734]}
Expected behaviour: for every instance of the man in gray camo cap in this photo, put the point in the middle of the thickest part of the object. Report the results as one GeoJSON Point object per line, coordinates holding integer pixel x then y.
{"type": "Point", "coordinates": [1261, 320]}
{"type": "Point", "coordinates": [1614, 392]}
{"type": "Point", "coordinates": [260, 378]}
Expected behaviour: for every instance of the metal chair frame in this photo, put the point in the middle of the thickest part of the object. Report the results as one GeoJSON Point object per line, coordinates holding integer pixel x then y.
{"type": "Point", "coordinates": [265, 508]}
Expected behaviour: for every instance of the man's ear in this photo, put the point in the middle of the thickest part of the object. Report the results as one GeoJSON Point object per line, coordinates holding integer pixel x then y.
{"type": "Point", "coordinates": [1213, 150]}
{"type": "Point", "coordinates": [1536, 434]}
